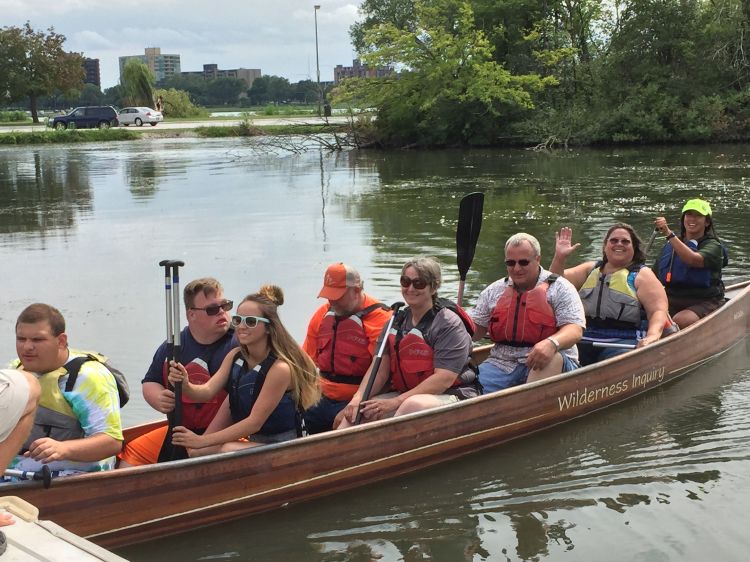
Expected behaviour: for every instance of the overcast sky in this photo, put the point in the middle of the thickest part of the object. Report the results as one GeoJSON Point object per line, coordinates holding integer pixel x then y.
{"type": "Point", "coordinates": [277, 36]}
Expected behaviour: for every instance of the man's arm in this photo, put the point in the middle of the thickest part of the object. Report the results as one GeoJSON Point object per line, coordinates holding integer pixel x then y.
{"type": "Point", "coordinates": [88, 449]}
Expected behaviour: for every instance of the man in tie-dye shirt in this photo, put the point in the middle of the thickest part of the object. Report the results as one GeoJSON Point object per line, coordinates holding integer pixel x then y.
{"type": "Point", "coordinates": [76, 429]}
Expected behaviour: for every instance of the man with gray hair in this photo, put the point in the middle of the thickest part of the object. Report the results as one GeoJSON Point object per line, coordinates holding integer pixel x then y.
{"type": "Point", "coordinates": [534, 317]}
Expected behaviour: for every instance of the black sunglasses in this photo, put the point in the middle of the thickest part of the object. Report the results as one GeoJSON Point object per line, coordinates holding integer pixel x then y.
{"type": "Point", "coordinates": [214, 309]}
{"type": "Point", "coordinates": [408, 281]}
{"type": "Point", "coordinates": [522, 263]}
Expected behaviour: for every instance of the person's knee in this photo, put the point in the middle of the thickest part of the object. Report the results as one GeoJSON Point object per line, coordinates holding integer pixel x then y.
{"type": "Point", "coordinates": [414, 404]}
{"type": "Point", "coordinates": [685, 318]}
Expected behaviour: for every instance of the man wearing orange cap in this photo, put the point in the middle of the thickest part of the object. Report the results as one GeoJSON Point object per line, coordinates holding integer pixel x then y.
{"type": "Point", "coordinates": [690, 264]}
{"type": "Point", "coordinates": [341, 339]}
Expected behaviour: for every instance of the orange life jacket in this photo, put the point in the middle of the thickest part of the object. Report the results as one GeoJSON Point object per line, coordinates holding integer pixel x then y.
{"type": "Point", "coordinates": [523, 319]}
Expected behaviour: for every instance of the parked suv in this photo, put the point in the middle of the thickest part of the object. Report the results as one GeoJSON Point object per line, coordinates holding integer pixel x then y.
{"type": "Point", "coordinates": [103, 116]}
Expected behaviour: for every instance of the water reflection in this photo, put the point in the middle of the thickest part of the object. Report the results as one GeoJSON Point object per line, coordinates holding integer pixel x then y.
{"type": "Point", "coordinates": [42, 193]}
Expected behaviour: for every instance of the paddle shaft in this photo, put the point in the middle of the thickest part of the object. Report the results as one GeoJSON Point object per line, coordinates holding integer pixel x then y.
{"type": "Point", "coordinates": [172, 309]}
{"type": "Point", "coordinates": [45, 475]}
{"type": "Point", "coordinates": [382, 342]}
{"type": "Point", "coordinates": [613, 345]}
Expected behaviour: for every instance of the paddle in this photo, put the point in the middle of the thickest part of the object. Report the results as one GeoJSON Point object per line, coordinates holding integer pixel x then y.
{"type": "Point", "coordinates": [45, 475]}
{"type": "Point", "coordinates": [650, 243]}
{"type": "Point", "coordinates": [613, 345]}
{"type": "Point", "coordinates": [382, 342]}
{"type": "Point", "coordinates": [467, 234]}
{"type": "Point", "coordinates": [168, 451]}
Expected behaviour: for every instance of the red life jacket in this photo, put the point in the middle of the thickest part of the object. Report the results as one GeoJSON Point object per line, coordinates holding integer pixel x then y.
{"type": "Point", "coordinates": [523, 319]}
{"type": "Point", "coordinates": [343, 347]}
{"type": "Point", "coordinates": [196, 415]}
{"type": "Point", "coordinates": [411, 356]}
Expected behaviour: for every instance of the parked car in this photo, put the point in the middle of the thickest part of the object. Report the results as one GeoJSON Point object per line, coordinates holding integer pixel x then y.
{"type": "Point", "coordinates": [139, 116]}
{"type": "Point", "coordinates": [104, 117]}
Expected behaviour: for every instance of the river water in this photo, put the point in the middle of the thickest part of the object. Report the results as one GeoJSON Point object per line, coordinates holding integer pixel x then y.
{"type": "Point", "coordinates": [663, 477]}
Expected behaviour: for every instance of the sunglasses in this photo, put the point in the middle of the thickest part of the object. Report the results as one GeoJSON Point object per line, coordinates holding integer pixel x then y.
{"type": "Point", "coordinates": [408, 282]}
{"type": "Point", "coordinates": [214, 309]}
{"type": "Point", "coordinates": [249, 321]}
{"type": "Point", "coordinates": [623, 241]}
{"type": "Point", "coordinates": [512, 263]}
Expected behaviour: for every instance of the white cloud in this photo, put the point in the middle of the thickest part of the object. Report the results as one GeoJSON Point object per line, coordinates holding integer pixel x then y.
{"type": "Point", "coordinates": [277, 36]}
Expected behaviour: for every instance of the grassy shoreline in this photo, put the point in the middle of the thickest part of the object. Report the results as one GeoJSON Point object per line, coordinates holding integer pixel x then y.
{"type": "Point", "coordinates": [50, 136]}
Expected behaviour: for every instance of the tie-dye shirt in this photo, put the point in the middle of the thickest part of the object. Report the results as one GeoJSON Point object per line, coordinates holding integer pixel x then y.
{"type": "Point", "coordinates": [96, 403]}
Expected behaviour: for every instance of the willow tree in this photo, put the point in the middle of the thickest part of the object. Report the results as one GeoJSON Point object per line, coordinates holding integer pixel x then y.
{"type": "Point", "coordinates": [137, 84]}
{"type": "Point", "coordinates": [449, 89]}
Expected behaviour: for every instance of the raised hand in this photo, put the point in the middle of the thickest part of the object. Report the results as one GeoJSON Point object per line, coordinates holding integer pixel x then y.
{"type": "Point", "coordinates": [564, 243]}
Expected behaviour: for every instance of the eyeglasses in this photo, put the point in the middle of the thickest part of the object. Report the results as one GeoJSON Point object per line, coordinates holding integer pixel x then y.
{"type": "Point", "coordinates": [623, 241]}
{"type": "Point", "coordinates": [214, 309]}
{"type": "Point", "coordinates": [249, 321]}
{"type": "Point", "coordinates": [408, 282]}
{"type": "Point", "coordinates": [512, 263]}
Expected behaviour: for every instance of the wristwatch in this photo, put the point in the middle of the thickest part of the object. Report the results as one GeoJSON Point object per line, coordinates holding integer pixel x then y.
{"type": "Point", "coordinates": [555, 343]}
{"type": "Point", "coordinates": [671, 235]}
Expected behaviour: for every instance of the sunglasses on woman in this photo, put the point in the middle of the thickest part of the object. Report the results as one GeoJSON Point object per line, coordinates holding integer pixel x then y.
{"type": "Point", "coordinates": [408, 281]}
{"type": "Point", "coordinates": [249, 321]}
{"type": "Point", "coordinates": [214, 309]}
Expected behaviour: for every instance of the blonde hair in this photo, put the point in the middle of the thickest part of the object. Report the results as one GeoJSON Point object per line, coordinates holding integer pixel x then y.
{"type": "Point", "coordinates": [305, 384]}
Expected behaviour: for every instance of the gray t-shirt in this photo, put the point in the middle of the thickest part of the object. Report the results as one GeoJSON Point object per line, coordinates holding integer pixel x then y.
{"type": "Point", "coordinates": [562, 297]}
{"type": "Point", "coordinates": [448, 338]}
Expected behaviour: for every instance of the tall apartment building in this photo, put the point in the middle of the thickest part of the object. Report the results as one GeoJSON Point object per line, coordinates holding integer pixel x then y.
{"type": "Point", "coordinates": [93, 76]}
{"type": "Point", "coordinates": [358, 70]}
{"type": "Point", "coordinates": [163, 66]}
{"type": "Point", "coordinates": [212, 71]}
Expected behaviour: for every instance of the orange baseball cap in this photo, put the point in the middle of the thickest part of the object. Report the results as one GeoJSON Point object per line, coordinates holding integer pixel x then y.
{"type": "Point", "coordinates": [337, 279]}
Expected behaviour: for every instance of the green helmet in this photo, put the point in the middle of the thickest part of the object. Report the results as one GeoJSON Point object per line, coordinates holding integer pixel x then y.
{"type": "Point", "coordinates": [698, 205]}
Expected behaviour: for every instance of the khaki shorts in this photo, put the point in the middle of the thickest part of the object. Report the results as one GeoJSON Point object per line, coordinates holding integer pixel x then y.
{"type": "Point", "coordinates": [442, 398]}
{"type": "Point", "coordinates": [14, 395]}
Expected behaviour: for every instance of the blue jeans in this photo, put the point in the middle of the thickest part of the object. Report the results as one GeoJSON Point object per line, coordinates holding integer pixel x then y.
{"type": "Point", "coordinates": [492, 378]}
{"type": "Point", "coordinates": [319, 418]}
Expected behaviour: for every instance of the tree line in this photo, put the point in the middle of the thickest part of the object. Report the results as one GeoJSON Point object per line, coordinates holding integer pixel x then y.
{"type": "Point", "coordinates": [555, 72]}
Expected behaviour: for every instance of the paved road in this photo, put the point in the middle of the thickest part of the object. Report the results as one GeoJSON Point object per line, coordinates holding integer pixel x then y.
{"type": "Point", "coordinates": [202, 123]}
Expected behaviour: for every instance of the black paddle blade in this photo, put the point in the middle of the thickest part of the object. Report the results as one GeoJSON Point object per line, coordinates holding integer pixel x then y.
{"type": "Point", "coordinates": [467, 232]}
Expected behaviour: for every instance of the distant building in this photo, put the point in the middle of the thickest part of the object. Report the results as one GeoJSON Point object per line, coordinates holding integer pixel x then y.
{"type": "Point", "coordinates": [163, 66]}
{"type": "Point", "coordinates": [358, 70]}
{"type": "Point", "coordinates": [93, 76]}
{"type": "Point", "coordinates": [212, 72]}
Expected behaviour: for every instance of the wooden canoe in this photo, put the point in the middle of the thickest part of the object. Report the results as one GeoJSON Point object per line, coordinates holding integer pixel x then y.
{"type": "Point", "coordinates": [138, 504]}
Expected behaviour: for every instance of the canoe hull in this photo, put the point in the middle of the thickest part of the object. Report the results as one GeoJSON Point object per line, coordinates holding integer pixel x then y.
{"type": "Point", "coordinates": [139, 504]}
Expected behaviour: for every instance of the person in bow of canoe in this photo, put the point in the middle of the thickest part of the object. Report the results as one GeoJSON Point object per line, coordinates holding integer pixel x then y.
{"type": "Point", "coordinates": [622, 298]}
{"type": "Point", "coordinates": [690, 264]}
{"type": "Point", "coordinates": [268, 380]}
{"type": "Point", "coordinates": [426, 360]}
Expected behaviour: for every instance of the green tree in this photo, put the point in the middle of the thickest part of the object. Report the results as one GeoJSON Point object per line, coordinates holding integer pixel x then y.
{"type": "Point", "coordinates": [137, 84]}
{"type": "Point", "coordinates": [177, 104]}
{"type": "Point", "coordinates": [450, 91]}
{"type": "Point", "coordinates": [91, 95]}
{"type": "Point", "coordinates": [223, 91]}
{"type": "Point", "coordinates": [269, 89]}
{"type": "Point", "coordinates": [34, 64]}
